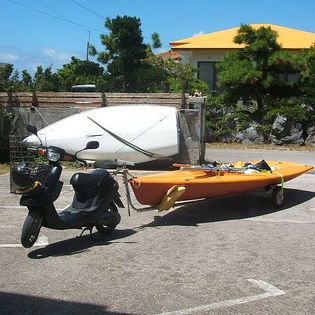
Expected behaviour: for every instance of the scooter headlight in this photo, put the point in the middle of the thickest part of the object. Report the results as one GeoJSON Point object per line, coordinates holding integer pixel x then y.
{"type": "Point", "coordinates": [53, 156]}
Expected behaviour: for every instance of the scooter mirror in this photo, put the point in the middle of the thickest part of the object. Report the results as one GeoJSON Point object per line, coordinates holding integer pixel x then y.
{"type": "Point", "coordinates": [92, 145]}
{"type": "Point", "coordinates": [89, 146]}
{"type": "Point", "coordinates": [32, 129]}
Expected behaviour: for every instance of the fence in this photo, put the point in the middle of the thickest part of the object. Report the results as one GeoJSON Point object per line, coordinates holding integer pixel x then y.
{"type": "Point", "coordinates": [80, 99]}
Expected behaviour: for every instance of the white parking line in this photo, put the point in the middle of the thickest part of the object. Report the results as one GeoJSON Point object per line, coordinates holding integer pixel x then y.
{"type": "Point", "coordinates": [42, 241]}
{"type": "Point", "coordinates": [279, 221]}
{"type": "Point", "coordinates": [22, 207]}
{"type": "Point", "coordinates": [12, 207]}
{"type": "Point", "coordinates": [270, 291]}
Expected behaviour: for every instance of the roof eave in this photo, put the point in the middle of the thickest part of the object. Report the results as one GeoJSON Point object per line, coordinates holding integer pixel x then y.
{"type": "Point", "coordinates": [228, 48]}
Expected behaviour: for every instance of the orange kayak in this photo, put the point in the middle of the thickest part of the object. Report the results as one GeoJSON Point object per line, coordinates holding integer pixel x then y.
{"type": "Point", "coordinates": [207, 183]}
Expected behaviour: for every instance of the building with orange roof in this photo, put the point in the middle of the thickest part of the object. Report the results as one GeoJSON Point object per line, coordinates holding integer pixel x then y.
{"type": "Point", "coordinates": [205, 51]}
{"type": "Point", "coordinates": [170, 54]}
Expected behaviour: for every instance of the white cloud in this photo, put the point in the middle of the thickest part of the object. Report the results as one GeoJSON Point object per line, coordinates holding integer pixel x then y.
{"type": "Point", "coordinates": [8, 57]}
{"type": "Point", "coordinates": [22, 58]}
{"type": "Point", "coordinates": [57, 55]}
{"type": "Point", "coordinates": [198, 34]}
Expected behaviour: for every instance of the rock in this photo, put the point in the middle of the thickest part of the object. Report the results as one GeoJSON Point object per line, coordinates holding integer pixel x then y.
{"type": "Point", "coordinates": [310, 136]}
{"type": "Point", "coordinates": [224, 138]}
{"type": "Point", "coordinates": [250, 136]}
{"type": "Point", "coordinates": [285, 132]}
{"type": "Point", "coordinates": [227, 139]}
{"type": "Point", "coordinates": [279, 127]}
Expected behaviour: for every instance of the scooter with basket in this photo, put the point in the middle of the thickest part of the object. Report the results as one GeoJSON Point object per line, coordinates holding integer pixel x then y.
{"type": "Point", "coordinates": [94, 204]}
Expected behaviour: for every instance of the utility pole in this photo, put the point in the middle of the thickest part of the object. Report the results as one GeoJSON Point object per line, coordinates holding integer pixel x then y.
{"type": "Point", "coordinates": [87, 46]}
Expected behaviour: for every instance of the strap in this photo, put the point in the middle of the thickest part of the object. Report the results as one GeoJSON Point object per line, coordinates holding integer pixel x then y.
{"type": "Point", "coordinates": [282, 180]}
{"type": "Point", "coordinates": [23, 190]}
{"type": "Point", "coordinates": [129, 144]}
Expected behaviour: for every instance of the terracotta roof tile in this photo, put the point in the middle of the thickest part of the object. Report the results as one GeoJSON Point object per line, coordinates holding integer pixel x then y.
{"type": "Point", "coordinates": [169, 55]}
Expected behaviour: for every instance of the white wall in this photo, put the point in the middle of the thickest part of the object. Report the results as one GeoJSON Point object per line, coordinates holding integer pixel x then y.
{"type": "Point", "coordinates": [192, 57]}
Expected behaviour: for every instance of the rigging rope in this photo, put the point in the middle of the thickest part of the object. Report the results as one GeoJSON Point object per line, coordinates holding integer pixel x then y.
{"type": "Point", "coordinates": [129, 144]}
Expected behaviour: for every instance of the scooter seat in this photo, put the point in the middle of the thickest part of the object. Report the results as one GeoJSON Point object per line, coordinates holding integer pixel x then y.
{"type": "Point", "coordinates": [92, 179]}
{"type": "Point", "coordinates": [91, 187]}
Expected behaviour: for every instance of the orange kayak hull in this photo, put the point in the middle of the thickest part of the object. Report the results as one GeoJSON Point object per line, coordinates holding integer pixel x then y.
{"type": "Point", "coordinates": [150, 189]}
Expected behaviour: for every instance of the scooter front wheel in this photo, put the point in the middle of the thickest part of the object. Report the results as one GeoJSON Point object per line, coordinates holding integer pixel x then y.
{"type": "Point", "coordinates": [31, 228]}
{"type": "Point", "coordinates": [108, 220]}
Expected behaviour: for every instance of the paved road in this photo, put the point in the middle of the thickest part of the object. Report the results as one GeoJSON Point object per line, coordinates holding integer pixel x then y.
{"type": "Point", "coordinates": [235, 255]}
{"type": "Point", "coordinates": [226, 155]}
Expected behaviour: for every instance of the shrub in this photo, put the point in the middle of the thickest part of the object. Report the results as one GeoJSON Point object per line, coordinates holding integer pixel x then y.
{"type": "Point", "coordinates": [294, 112]}
{"type": "Point", "coordinates": [5, 130]}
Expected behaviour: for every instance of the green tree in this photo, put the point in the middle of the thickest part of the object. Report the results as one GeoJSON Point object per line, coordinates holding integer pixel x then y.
{"type": "Point", "coordinates": [5, 74]}
{"type": "Point", "coordinates": [156, 41]}
{"type": "Point", "coordinates": [27, 81]}
{"type": "Point", "coordinates": [15, 84]}
{"type": "Point", "coordinates": [307, 61]}
{"type": "Point", "coordinates": [5, 130]}
{"type": "Point", "coordinates": [178, 77]}
{"type": "Point", "coordinates": [10, 79]}
{"type": "Point", "coordinates": [255, 72]}
{"type": "Point", "coordinates": [82, 72]}
{"type": "Point", "coordinates": [124, 52]}
{"type": "Point", "coordinates": [46, 81]}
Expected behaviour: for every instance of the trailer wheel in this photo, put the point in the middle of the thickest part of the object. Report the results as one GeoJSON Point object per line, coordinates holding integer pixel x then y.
{"type": "Point", "coordinates": [277, 197]}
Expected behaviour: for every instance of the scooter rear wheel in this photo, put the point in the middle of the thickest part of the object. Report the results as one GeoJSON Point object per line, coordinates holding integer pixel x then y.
{"type": "Point", "coordinates": [31, 228]}
{"type": "Point", "coordinates": [108, 220]}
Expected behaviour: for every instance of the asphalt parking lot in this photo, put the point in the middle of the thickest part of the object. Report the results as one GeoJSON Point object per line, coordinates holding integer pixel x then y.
{"type": "Point", "coordinates": [235, 255]}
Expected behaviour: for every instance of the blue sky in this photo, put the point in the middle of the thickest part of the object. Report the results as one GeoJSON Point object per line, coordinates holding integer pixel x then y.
{"type": "Point", "coordinates": [30, 38]}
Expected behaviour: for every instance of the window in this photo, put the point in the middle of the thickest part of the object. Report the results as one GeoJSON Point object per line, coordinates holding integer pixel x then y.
{"type": "Point", "coordinates": [289, 78]}
{"type": "Point", "coordinates": [207, 72]}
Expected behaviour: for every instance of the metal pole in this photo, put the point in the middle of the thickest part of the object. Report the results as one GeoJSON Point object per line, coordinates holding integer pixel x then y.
{"type": "Point", "coordinates": [87, 46]}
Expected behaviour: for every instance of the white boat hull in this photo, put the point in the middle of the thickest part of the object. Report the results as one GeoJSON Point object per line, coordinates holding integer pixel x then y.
{"type": "Point", "coordinates": [149, 127]}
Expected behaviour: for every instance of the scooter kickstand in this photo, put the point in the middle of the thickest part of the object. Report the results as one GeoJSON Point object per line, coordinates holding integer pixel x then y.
{"type": "Point", "coordinates": [86, 229]}
{"type": "Point", "coordinates": [91, 233]}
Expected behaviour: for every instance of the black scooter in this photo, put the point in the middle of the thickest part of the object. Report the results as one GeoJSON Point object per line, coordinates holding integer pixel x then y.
{"type": "Point", "coordinates": [94, 203]}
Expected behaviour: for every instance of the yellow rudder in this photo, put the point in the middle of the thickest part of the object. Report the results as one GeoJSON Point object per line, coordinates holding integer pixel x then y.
{"type": "Point", "coordinates": [171, 197]}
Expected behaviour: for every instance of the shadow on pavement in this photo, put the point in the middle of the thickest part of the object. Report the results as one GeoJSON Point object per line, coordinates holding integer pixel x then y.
{"type": "Point", "coordinates": [78, 244]}
{"type": "Point", "coordinates": [12, 303]}
{"type": "Point", "coordinates": [228, 208]}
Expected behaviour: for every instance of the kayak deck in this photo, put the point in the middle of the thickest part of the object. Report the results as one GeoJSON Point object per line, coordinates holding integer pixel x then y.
{"type": "Point", "coordinates": [216, 182]}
